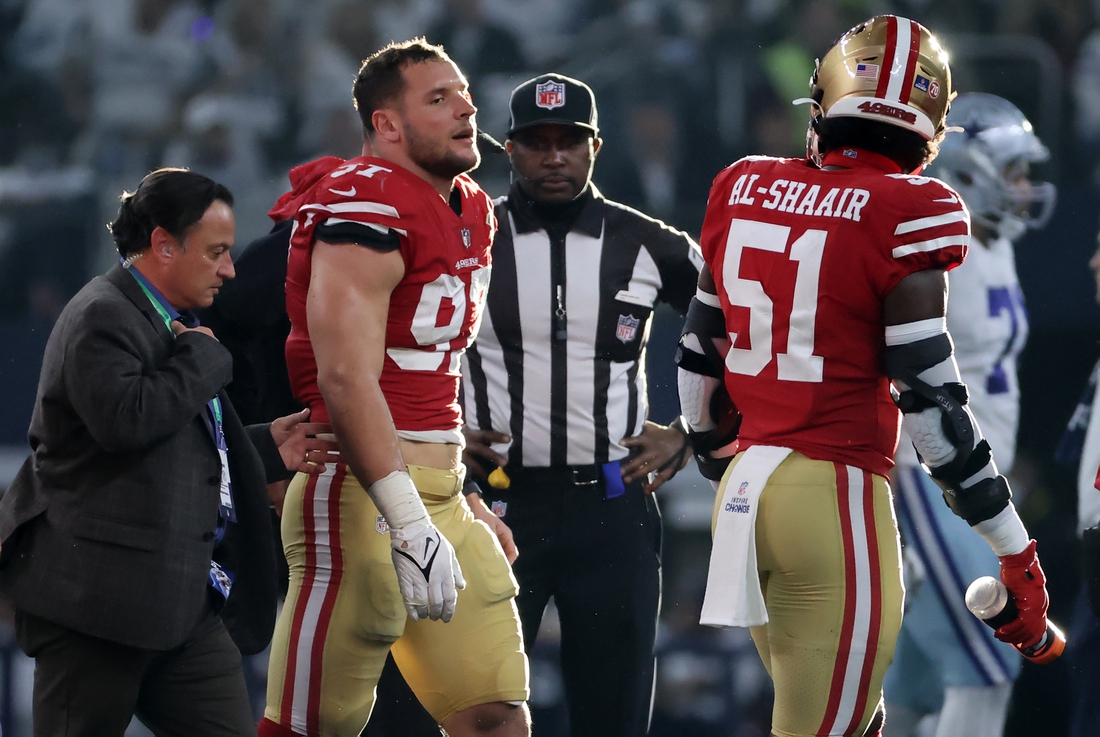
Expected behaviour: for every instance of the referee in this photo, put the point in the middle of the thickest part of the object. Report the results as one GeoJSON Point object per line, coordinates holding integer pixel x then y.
{"type": "Point", "coordinates": [555, 398]}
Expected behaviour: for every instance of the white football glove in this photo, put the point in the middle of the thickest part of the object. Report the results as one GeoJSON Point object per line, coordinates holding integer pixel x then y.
{"type": "Point", "coordinates": [427, 571]}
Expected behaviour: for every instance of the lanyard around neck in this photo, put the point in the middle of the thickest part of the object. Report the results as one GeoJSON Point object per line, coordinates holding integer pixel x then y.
{"type": "Point", "coordinates": [168, 314]}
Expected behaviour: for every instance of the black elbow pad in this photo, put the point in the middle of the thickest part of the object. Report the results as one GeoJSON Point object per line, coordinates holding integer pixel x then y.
{"type": "Point", "coordinates": [980, 502]}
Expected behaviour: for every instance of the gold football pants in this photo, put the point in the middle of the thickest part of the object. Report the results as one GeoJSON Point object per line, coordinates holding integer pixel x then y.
{"type": "Point", "coordinates": [344, 612]}
{"type": "Point", "coordinates": [829, 561]}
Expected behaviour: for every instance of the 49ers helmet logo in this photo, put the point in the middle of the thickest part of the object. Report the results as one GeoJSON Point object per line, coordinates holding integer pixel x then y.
{"type": "Point", "coordinates": [550, 94]}
{"type": "Point", "coordinates": [881, 108]}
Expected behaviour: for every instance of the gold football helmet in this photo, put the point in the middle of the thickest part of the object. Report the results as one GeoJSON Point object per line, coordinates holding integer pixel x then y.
{"type": "Point", "coordinates": [888, 69]}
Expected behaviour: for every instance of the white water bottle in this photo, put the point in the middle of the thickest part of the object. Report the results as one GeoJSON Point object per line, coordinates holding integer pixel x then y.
{"type": "Point", "coordinates": [989, 600]}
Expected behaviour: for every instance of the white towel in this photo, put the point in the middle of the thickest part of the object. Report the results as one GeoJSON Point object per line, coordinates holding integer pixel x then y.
{"type": "Point", "coordinates": [733, 597]}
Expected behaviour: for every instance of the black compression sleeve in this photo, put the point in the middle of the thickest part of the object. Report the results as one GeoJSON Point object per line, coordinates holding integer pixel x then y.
{"type": "Point", "coordinates": [358, 233]}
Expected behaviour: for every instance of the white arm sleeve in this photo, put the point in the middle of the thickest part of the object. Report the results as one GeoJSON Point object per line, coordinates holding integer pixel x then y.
{"type": "Point", "coordinates": [695, 392]}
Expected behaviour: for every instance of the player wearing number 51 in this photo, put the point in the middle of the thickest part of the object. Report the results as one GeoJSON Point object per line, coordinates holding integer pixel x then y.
{"type": "Point", "coordinates": [823, 303]}
{"type": "Point", "coordinates": [386, 278]}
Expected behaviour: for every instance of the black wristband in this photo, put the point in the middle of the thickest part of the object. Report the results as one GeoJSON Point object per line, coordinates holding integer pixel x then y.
{"type": "Point", "coordinates": [471, 487]}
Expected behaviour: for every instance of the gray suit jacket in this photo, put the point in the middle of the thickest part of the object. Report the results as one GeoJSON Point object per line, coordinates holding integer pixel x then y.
{"type": "Point", "coordinates": [108, 528]}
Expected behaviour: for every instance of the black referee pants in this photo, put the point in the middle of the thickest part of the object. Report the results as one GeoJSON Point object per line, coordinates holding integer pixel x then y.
{"type": "Point", "coordinates": [601, 561]}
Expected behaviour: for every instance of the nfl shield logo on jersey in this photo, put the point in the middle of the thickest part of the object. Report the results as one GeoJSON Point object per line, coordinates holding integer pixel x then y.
{"type": "Point", "coordinates": [499, 508]}
{"type": "Point", "coordinates": [550, 94]}
{"type": "Point", "coordinates": [627, 328]}
{"type": "Point", "coordinates": [381, 525]}
{"type": "Point", "coordinates": [466, 237]}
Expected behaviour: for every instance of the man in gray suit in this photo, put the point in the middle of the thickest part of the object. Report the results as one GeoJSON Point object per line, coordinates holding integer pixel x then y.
{"type": "Point", "coordinates": [144, 503]}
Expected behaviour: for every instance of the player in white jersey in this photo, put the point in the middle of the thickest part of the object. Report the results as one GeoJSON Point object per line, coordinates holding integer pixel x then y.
{"type": "Point", "coordinates": [947, 661]}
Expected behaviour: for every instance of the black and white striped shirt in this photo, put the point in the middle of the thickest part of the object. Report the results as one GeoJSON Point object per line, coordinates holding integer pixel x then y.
{"type": "Point", "coordinates": [559, 362]}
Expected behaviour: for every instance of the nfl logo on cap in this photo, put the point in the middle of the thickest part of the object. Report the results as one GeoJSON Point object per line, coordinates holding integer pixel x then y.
{"type": "Point", "coordinates": [550, 94]}
{"type": "Point", "coordinates": [552, 98]}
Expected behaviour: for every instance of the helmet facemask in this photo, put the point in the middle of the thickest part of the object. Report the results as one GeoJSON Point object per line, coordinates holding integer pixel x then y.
{"type": "Point", "coordinates": [989, 162]}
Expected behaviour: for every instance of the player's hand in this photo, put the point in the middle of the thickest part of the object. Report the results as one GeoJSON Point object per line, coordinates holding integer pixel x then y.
{"type": "Point", "coordinates": [496, 525]}
{"type": "Point", "coordinates": [299, 446]}
{"type": "Point", "coordinates": [479, 456]}
{"type": "Point", "coordinates": [428, 573]}
{"type": "Point", "coordinates": [661, 450]}
{"type": "Point", "coordinates": [1023, 577]}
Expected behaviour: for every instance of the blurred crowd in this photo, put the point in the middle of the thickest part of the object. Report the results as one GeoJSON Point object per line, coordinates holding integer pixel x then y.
{"type": "Point", "coordinates": [96, 93]}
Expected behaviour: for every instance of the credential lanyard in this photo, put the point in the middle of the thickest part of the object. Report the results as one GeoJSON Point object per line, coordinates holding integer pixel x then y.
{"type": "Point", "coordinates": [168, 313]}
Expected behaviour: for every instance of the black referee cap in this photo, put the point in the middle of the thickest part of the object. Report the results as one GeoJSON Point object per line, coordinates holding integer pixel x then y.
{"type": "Point", "coordinates": [553, 98]}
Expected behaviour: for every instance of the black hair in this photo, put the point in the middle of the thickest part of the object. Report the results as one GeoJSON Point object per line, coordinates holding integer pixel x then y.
{"type": "Point", "coordinates": [908, 149]}
{"type": "Point", "coordinates": [173, 199]}
{"type": "Point", "coordinates": [380, 77]}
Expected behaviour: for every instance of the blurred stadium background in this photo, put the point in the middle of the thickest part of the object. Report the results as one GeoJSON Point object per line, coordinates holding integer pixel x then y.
{"type": "Point", "coordinates": [95, 93]}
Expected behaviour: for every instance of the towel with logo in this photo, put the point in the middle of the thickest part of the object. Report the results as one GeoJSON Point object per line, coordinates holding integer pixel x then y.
{"type": "Point", "coordinates": [733, 597]}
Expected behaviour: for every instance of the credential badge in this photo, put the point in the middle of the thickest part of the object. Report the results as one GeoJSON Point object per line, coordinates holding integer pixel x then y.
{"type": "Point", "coordinates": [627, 328]}
{"type": "Point", "coordinates": [499, 508]}
{"type": "Point", "coordinates": [466, 237]}
{"type": "Point", "coordinates": [550, 94]}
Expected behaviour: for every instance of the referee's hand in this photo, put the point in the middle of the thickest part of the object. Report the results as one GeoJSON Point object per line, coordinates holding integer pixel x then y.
{"type": "Point", "coordinates": [659, 450]}
{"type": "Point", "coordinates": [479, 456]}
{"type": "Point", "coordinates": [496, 526]}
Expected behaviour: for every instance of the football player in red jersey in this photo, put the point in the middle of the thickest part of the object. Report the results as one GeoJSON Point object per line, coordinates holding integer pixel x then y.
{"type": "Point", "coordinates": [825, 292]}
{"type": "Point", "coordinates": [386, 278]}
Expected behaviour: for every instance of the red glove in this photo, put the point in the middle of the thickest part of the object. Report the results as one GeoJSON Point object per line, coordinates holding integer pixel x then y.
{"type": "Point", "coordinates": [1023, 577]}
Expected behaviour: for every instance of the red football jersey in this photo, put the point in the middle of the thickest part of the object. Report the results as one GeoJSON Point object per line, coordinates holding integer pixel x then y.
{"type": "Point", "coordinates": [434, 311]}
{"type": "Point", "coordinates": [803, 258]}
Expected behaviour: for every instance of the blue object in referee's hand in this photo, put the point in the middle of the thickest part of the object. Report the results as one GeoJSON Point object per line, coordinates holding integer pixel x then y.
{"type": "Point", "coordinates": [613, 480]}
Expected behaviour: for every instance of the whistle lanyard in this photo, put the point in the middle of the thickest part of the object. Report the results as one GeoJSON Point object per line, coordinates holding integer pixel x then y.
{"type": "Point", "coordinates": [168, 314]}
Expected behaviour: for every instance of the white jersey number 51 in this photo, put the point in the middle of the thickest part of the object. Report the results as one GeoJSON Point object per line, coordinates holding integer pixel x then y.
{"type": "Point", "coordinates": [798, 362]}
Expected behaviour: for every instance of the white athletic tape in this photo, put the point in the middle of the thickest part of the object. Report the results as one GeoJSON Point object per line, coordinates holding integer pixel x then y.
{"type": "Point", "coordinates": [398, 500]}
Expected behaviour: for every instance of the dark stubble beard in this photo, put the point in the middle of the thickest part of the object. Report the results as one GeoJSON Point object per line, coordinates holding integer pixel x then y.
{"type": "Point", "coordinates": [437, 159]}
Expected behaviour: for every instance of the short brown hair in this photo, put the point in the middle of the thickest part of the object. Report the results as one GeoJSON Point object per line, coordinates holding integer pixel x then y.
{"type": "Point", "coordinates": [380, 77]}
